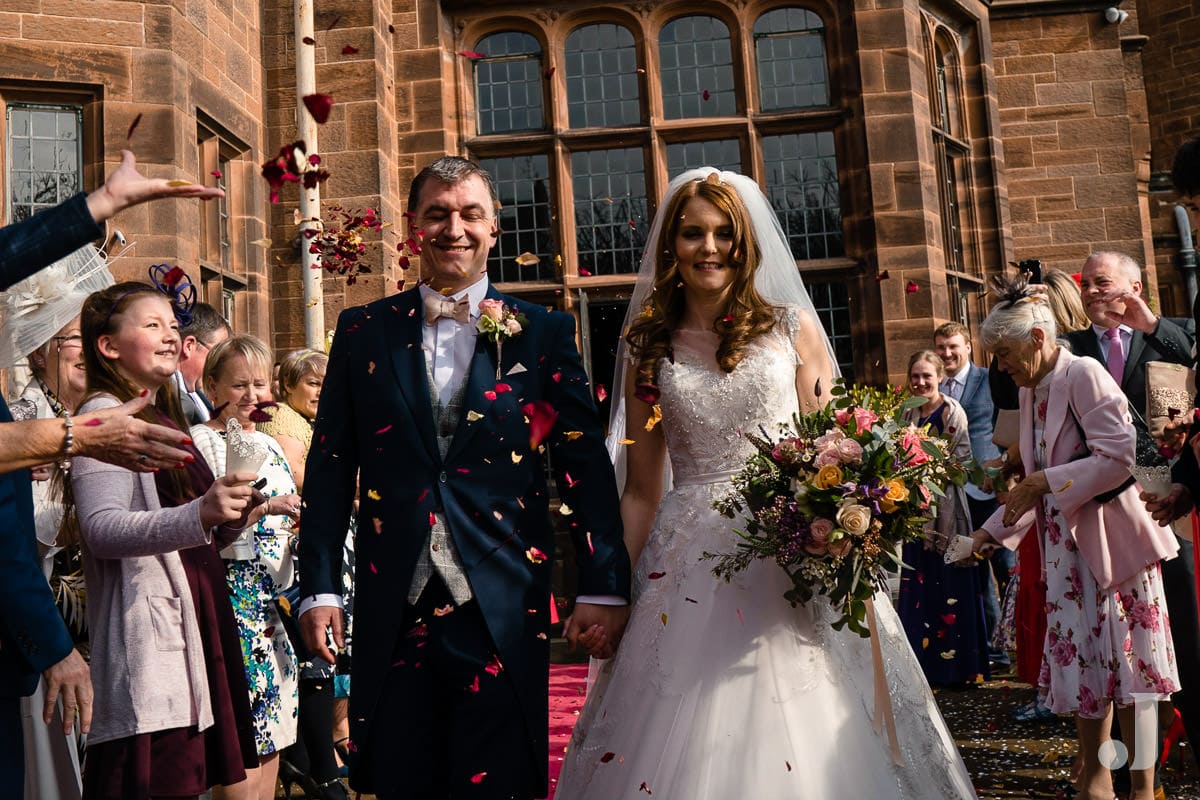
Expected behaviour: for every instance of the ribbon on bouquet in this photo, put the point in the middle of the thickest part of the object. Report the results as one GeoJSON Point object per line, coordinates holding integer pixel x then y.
{"type": "Point", "coordinates": [884, 718]}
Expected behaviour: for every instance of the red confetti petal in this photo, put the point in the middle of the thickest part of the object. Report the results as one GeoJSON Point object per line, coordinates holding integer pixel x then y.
{"type": "Point", "coordinates": [535, 555]}
{"type": "Point", "coordinates": [584, 272]}
{"type": "Point", "coordinates": [548, 74]}
{"type": "Point", "coordinates": [309, 40]}
{"type": "Point", "coordinates": [882, 276]}
{"type": "Point", "coordinates": [493, 667]}
{"type": "Point", "coordinates": [501, 388]}
{"type": "Point", "coordinates": [216, 173]}
{"type": "Point", "coordinates": [478, 777]}
{"type": "Point", "coordinates": [541, 421]}
{"type": "Point", "coordinates": [319, 105]}
{"type": "Point", "coordinates": [645, 788]}
{"type": "Point", "coordinates": [424, 493]}
{"type": "Point", "coordinates": [601, 392]}
{"type": "Point", "coordinates": [474, 687]}
{"type": "Point", "coordinates": [373, 570]}
{"type": "Point", "coordinates": [349, 50]}
{"type": "Point", "coordinates": [607, 757]}
{"type": "Point", "coordinates": [911, 287]}
{"type": "Point", "coordinates": [489, 394]}
{"type": "Point", "coordinates": [133, 126]}
{"type": "Point", "coordinates": [705, 94]}
{"type": "Point", "coordinates": [432, 519]}
{"type": "Point", "coordinates": [471, 54]}
{"type": "Point", "coordinates": [655, 575]}
{"type": "Point", "coordinates": [384, 429]}
{"type": "Point", "coordinates": [648, 393]}
{"type": "Point", "coordinates": [556, 377]}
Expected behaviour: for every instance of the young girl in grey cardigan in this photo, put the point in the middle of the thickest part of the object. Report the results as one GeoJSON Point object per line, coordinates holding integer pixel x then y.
{"type": "Point", "coordinates": [171, 716]}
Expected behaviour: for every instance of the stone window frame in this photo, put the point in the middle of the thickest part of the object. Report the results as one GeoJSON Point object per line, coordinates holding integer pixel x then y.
{"type": "Point", "coordinates": [952, 151]}
{"type": "Point", "coordinates": [83, 98]}
{"type": "Point", "coordinates": [223, 254]}
{"type": "Point", "coordinates": [550, 27]}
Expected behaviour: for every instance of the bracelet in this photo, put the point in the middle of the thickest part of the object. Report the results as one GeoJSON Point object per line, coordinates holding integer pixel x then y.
{"type": "Point", "coordinates": [68, 442]}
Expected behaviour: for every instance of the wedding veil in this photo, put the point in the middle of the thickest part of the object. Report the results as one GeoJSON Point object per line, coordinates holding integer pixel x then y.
{"type": "Point", "coordinates": [777, 280]}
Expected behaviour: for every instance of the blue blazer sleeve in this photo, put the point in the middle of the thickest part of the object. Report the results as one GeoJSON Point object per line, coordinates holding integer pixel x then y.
{"type": "Point", "coordinates": [39, 241]}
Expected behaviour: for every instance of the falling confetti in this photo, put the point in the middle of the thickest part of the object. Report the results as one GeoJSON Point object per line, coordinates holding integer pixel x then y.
{"type": "Point", "coordinates": [565, 510]}
{"type": "Point", "coordinates": [319, 105]}
{"type": "Point", "coordinates": [655, 417]}
{"type": "Point", "coordinates": [535, 555]}
{"type": "Point", "coordinates": [541, 417]}
{"type": "Point", "coordinates": [527, 259]}
{"type": "Point", "coordinates": [349, 50]}
{"type": "Point", "coordinates": [882, 276]}
{"type": "Point", "coordinates": [705, 94]}
{"type": "Point", "coordinates": [133, 127]}
{"type": "Point", "coordinates": [478, 777]}
{"type": "Point", "coordinates": [573, 435]}
{"type": "Point", "coordinates": [601, 392]}
{"type": "Point", "coordinates": [471, 54]}
{"type": "Point", "coordinates": [911, 287]}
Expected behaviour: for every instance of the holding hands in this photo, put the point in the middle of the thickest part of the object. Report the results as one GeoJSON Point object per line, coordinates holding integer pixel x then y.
{"type": "Point", "coordinates": [596, 628]}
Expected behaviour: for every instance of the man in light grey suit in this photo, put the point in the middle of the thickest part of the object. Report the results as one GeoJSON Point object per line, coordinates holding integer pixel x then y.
{"type": "Point", "coordinates": [968, 384]}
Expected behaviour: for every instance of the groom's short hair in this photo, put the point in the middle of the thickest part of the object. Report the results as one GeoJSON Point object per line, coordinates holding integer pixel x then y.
{"type": "Point", "coordinates": [451, 170]}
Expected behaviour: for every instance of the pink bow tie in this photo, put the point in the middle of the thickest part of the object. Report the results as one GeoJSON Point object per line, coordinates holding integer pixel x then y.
{"type": "Point", "coordinates": [437, 307]}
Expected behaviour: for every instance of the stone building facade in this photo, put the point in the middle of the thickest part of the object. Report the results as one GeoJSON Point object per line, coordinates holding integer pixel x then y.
{"type": "Point", "coordinates": [911, 148]}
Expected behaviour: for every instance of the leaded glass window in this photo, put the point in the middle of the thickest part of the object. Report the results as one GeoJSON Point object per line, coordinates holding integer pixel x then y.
{"type": "Point", "coordinates": [802, 184]}
{"type": "Point", "coordinates": [696, 69]}
{"type": "Point", "coordinates": [602, 78]}
{"type": "Point", "coordinates": [832, 303]}
{"type": "Point", "coordinates": [44, 157]}
{"type": "Point", "coordinates": [525, 219]}
{"type": "Point", "coordinates": [723, 154]}
{"type": "Point", "coordinates": [789, 46]}
{"type": "Point", "coordinates": [508, 84]}
{"type": "Point", "coordinates": [610, 209]}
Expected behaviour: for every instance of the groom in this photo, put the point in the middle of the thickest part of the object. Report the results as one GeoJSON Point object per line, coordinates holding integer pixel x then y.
{"type": "Point", "coordinates": [455, 541]}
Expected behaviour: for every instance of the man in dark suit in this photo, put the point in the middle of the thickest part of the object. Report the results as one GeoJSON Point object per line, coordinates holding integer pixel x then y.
{"type": "Point", "coordinates": [968, 383]}
{"type": "Point", "coordinates": [206, 329]}
{"type": "Point", "coordinates": [1125, 335]}
{"type": "Point", "coordinates": [34, 641]}
{"type": "Point", "coordinates": [446, 431]}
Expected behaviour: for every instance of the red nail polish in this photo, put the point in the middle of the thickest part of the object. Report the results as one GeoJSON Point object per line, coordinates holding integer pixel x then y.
{"type": "Point", "coordinates": [187, 440]}
{"type": "Point", "coordinates": [190, 460]}
{"type": "Point", "coordinates": [179, 465]}
{"type": "Point", "coordinates": [144, 392]}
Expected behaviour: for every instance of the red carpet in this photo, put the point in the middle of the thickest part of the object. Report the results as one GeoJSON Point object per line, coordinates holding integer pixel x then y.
{"type": "Point", "coordinates": [567, 685]}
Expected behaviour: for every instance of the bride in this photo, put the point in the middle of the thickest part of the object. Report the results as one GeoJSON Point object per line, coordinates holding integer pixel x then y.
{"type": "Point", "coordinates": [723, 690]}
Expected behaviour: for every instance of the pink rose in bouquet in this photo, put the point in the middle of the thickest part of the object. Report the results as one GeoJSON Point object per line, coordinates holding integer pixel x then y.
{"type": "Point", "coordinates": [864, 418]}
{"type": "Point", "coordinates": [829, 439]}
{"type": "Point", "coordinates": [911, 443]}
{"type": "Point", "coordinates": [849, 451]}
{"type": "Point", "coordinates": [842, 417]}
{"type": "Point", "coordinates": [819, 530]}
{"type": "Point", "coordinates": [827, 457]}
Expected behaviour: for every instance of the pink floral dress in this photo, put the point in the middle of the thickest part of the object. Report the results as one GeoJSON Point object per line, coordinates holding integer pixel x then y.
{"type": "Point", "coordinates": [1101, 645]}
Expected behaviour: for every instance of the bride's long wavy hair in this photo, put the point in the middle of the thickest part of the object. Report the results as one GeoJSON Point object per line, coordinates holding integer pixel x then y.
{"type": "Point", "coordinates": [746, 315]}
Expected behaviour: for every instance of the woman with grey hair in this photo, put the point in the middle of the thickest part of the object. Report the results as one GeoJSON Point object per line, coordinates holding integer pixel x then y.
{"type": "Point", "coordinates": [1107, 639]}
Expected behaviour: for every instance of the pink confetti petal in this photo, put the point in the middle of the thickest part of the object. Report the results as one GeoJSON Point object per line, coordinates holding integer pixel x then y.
{"type": "Point", "coordinates": [478, 777]}
{"type": "Point", "coordinates": [349, 50]}
{"type": "Point", "coordinates": [319, 105]}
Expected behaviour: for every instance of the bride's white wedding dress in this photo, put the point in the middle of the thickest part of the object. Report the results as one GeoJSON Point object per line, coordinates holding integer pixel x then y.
{"type": "Point", "coordinates": [722, 691]}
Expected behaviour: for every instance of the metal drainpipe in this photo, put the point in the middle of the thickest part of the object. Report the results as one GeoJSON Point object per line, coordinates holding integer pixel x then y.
{"type": "Point", "coordinates": [1187, 255]}
{"type": "Point", "coordinates": [310, 199]}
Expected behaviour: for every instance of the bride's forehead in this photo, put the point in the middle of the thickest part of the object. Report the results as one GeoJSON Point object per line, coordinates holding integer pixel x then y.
{"type": "Point", "coordinates": [701, 211]}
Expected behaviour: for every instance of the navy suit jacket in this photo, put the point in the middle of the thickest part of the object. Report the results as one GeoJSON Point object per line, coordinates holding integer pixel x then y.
{"type": "Point", "coordinates": [33, 636]}
{"type": "Point", "coordinates": [976, 400]}
{"type": "Point", "coordinates": [375, 421]}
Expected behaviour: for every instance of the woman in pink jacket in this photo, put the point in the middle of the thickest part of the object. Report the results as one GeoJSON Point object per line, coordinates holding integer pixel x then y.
{"type": "Point", "coordinates": [1107, 640]}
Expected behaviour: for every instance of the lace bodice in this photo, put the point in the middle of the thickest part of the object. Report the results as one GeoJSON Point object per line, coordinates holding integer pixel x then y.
{"type": "Point", "coordinates": [705, 409]}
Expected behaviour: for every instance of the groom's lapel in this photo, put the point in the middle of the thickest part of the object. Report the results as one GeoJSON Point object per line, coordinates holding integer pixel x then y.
{"type": "Point", "coordinates": [480, 378]}
{"type": "Point", "coordinates": [406, 346]}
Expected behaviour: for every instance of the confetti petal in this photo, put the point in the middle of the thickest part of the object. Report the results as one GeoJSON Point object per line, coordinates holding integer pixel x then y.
{"type": "Point", "coordinates": [565, 510]}
{"type": "Point", "coordinates": [471, 54]}
{"type": "Point", "coordinates": [373, 495]}
{"type": "Point", "coordinates": [535, 555]}
{"type": "Point", "coordinates": [474, 416]}
{"type": "Point", "coordinates": [882, 276]}
{"type": "Point", "coordinates": [607, 757]}
{"type": "Point", "coordinates": [911, 287]}
{"type": "Point", "coordinates": [527, 259]}
{"type": "Point", "coordinates": [601, 392]}
{"type": "Point", "coordinates": [655, 417]}
{"type": "Point", "coordinates": [573, 435]}
{"type": "Point", "coordinates": [478, 777]}
{"type": "Point", "coordinates": [655, 575]}
{"type": "Point", "coordinates": [319, 105]}
{"type": "Point", "coordinates": [349, 50]}
{"type": "Point", "coordinates": [541, 417]}
{"type": "Point", "coordinates": [133, 126]}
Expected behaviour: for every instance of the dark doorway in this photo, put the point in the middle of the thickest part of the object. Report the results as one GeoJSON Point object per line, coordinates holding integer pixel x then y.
{"type": "Point", "coordinates": [604, 319]}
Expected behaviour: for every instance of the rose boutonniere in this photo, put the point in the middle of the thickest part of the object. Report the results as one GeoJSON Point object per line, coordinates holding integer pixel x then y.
{"type": "Point", "coordinates": [499, 323]}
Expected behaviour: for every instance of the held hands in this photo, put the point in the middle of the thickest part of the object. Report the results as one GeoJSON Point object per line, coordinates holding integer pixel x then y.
{"type": "Point", "coordinates": [597, 628]}
{"type": "Point", "coordinates": [230, 500]}
{"type": "Point", "coordinates": [1170, 507]}
{"type": "Point", "coordinates": [1024, 496]}
{"type": "Point", "coordinates": [115, 436]}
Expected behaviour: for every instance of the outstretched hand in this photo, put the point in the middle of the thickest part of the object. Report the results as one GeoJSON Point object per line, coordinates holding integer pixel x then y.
{"type": "Point", "coordinates": [115, 436]}
{"type": "Point", "coordinates": [127, 187]}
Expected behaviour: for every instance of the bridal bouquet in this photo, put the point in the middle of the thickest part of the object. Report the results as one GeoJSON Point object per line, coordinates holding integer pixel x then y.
{"type": "Point", "coordinates": [834, 494]}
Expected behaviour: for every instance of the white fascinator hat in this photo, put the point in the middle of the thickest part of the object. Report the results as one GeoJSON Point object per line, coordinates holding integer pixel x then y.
{"type": "Point", "coordinates": [35, 309]}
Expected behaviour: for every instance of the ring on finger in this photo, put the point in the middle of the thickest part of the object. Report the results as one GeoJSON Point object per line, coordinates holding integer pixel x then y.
{"type": "Point", "coordinates": [143, 458]}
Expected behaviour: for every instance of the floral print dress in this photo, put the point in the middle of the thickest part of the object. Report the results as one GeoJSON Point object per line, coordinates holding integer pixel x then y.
{"type": "Point", "coordinates": [1101, 645]}
{"type": "Point", "coordinates": [254, 582]}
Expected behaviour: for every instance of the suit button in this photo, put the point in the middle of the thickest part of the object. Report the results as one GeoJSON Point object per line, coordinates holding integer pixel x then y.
{"type": "Point", "coordinates": [435, 547]}
{"type": "Point", "coordinates": [442, 477]}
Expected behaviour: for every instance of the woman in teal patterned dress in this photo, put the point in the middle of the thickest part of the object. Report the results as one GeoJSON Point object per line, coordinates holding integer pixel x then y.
{"type": "Point", "coordinates": [259, 564]}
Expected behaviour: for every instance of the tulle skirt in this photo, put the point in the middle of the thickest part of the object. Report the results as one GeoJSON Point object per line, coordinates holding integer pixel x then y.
{"type": "Point", "coordinates": [723, 690]}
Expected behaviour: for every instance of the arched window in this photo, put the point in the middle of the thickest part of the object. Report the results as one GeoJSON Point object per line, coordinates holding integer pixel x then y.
{"type": "Point", "coordinates": [720, 153]}
{"type": "Point", "coordinates": [508, 84]}
{"type": "Point", "coordinates": [950, 148]}
{"type": "Point", "coordinates": [789, 47]}
{"type": "Point", "coordinates": [526, 249]}
{"type": "Point", "coordinates": [610, 209]}
{"type": "Point", "coordinates": [802, 181]}
{"type": "Point", "coordinates": [696, 68]}
{"type": "Point", "coordinates": [602, 79]}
